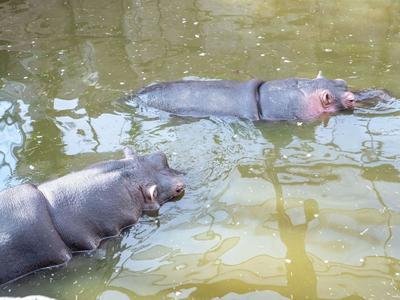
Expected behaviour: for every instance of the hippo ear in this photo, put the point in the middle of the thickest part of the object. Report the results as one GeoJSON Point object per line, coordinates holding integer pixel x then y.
{"type": "Point", "coordinates": [326, 98]}
{"type": "Point", "coordinates": [319, 75]}
{"type": "Point", "coordinates": [129, 153]}
{"type": "Point", "coordinates": [341, 82]}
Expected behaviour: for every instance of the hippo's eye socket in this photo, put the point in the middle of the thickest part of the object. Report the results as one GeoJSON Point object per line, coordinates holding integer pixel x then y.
{"type": "Point", "coordinates": [326, 98]}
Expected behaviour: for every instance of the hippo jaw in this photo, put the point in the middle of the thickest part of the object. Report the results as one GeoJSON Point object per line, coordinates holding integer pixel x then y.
{"type": "Point", "coordinates": [158, 194]}
{"type": "Point", "coordinates": [164, 183]}
{"type": "Point", "coordinates": [153, 199]}
{"type": "Point", "coordinates": [339, 92]}
{"type": "Point", "coordinates": [322, 101]}
{"type": "Point", "coordinates": [324, 96]}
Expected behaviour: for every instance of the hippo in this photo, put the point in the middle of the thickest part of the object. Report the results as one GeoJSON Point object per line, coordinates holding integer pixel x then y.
{"type": "Point", "coordinates": [287, 99]}
{"type": "Point", "coordinates": [42, 226]}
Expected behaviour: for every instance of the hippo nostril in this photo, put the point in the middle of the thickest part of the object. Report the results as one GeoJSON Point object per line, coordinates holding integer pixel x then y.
{"type": "Point", "coordinates": [179, 189]}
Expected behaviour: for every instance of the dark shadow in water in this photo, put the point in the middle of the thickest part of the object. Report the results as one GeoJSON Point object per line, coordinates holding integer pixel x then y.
{"type": "Point", "coordinates": [300, 274]}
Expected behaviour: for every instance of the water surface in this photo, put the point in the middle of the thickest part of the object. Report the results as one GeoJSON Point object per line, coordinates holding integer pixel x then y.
{"type": "Point", "coordinates": [272, 210]}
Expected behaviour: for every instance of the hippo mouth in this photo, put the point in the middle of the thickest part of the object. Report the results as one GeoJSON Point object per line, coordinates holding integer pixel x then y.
{"type": "Point", "coordinates": [179, 193]}
{"type": "Point", "coordinates": [176, 197]}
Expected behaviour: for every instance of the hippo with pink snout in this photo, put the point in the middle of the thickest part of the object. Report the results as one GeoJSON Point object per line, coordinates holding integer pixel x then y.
{"type": "Point", "coordinates": [287, 99]}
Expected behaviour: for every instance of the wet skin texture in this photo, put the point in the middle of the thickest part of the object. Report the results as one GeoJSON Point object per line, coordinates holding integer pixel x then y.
{"type": "Point", "coordinates": [41, 226]}
{"type": "Point", "coordinates": [288, 99]}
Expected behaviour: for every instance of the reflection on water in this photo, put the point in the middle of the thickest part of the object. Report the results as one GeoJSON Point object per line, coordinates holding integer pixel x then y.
{"type": "Point", "coordinates": [272, 210]}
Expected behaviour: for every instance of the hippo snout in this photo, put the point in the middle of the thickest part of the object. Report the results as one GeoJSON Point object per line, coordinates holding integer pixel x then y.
{"type": "Point", "coordinates": [171, 189]}
{"type": "Point", "coordinates": [179, 188]}
{"type": "Point", "coordinates": [348, 100]}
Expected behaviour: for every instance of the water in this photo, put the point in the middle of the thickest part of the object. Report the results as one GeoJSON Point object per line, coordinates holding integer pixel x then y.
{"type": "Point", "coordinates": [272, 210]}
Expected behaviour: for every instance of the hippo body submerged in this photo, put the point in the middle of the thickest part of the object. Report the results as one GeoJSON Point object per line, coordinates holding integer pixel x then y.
{"type": "Point", "coordinates": [42, 226]}
{"type": "Point", "coordinates": [287, 99]}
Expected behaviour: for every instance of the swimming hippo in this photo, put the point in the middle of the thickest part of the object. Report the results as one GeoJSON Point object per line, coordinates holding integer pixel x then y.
{"type": "Point", "coordinates": [41, 226]}
{"type": "Point", "coordinates": [287, 99]}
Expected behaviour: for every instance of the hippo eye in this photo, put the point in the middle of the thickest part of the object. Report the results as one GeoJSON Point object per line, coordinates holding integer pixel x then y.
{"type": "Point", "coordinates": [326, 98]}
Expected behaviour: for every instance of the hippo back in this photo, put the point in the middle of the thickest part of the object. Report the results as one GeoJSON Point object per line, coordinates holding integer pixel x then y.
{"type": "Point", "coordinates": [94, 203]}
{"type": "Point", "coordinates": [28, 239]}
{"type": "Point", "coordinates": [204, 97]}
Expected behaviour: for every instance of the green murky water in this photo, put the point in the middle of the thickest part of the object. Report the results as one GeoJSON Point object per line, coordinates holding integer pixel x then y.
{"type": "Point", "coordinates": [273, 210]}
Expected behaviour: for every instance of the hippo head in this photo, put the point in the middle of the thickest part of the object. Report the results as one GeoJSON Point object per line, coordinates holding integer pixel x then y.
{"type": "Point", "coordinates": [304, 99]}
{"type": "Point", "coordinates": [328, 95]}
{"type": "Point", "coordinates": [158, 183]}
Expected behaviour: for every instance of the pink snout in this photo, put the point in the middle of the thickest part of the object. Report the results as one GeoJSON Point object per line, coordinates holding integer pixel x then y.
{"type": "Point", "coordinates": [348, 100]}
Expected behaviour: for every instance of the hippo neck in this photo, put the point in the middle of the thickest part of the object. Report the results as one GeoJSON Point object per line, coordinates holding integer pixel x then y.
{"type": "Point", "coordinates": [258, 100]}
{"type": "Point", "coordinates": [277, 101]}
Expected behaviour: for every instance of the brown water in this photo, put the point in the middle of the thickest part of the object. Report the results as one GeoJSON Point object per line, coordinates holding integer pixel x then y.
{"type": "Point", "coordinates": [273, 210]}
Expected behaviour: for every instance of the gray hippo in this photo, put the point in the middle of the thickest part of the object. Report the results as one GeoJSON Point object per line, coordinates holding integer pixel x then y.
{"type": "Point", "coordinates": [287, 99]}
{"type": "Point", "coordinates": [41, 226]}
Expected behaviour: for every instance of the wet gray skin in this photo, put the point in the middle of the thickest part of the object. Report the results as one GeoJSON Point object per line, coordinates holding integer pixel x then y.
{"type": "Point", "coordinates": [288, 99]}
{"type": "Point", "coordinates": [42, 226]}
